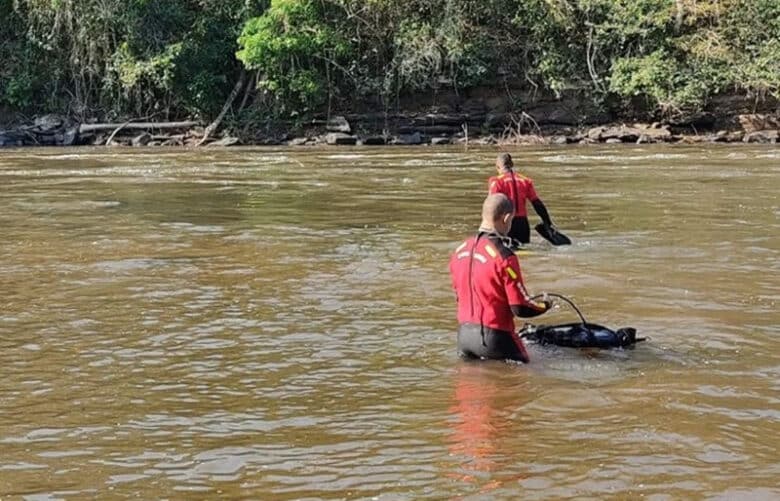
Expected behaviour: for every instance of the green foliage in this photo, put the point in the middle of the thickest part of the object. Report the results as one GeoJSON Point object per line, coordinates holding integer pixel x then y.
{"type": "Point", "coordinates": [428, 55]}
{"type": "Point", "coordinates": [712, 48]}
{"type": "Point", "coordinates": [655, 76]}
{"type": "Point", "coordinates": [19, 91]}
{"type": "Point", "coordinates": [182, 57]}
{"type": "Point", "coordinates": [137, 57]}
{"type": "Point", "coordinates": [154, 72]}
{"type": "Point", "coordinates": [295, 50]}
{"type": "Point", "coordinates": [17, 71]}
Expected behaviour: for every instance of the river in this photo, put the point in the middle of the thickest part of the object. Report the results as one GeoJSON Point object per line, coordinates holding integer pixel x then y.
{"type": "Point", "coordinates": [278, 324]}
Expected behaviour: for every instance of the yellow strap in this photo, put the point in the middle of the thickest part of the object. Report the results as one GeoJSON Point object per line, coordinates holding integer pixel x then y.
{"type": "Point", "coordinates": [511, 272]}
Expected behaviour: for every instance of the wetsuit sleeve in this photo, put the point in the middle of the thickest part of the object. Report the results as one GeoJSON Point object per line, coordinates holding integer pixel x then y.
{"type": "Point", "coordinates": [540, 209]}
{"type": "Point", "coordinates": [519, 302]}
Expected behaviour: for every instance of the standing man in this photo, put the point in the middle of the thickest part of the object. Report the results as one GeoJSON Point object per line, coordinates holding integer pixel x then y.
{"type": "Point", "coordinates": [489, 288]}
{"type": "Point", "coordinates": [518, 189]}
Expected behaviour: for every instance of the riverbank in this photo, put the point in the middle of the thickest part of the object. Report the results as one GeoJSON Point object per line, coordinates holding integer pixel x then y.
{"type": "Point", "coordinates": [479, 119]}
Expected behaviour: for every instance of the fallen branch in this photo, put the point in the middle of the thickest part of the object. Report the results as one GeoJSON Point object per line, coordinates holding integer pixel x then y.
{"type": "Point", "coordinates": [111, 137]}
{"type": "Point", "coordinates": [232, 97]}
{"type": "Point", "coordinates": [84, 128]}
{"type": "Point", "coordinates": [116, 131]}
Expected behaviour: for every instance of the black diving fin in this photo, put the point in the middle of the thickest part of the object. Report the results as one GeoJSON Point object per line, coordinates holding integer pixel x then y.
{"type": "Point", "coordinates": [552, 235]}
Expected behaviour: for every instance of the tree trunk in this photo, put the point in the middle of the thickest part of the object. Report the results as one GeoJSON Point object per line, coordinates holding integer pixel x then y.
{"type": "Point", "coordinates": [213, 125]}
{"type": "Point", "coordinates": [84, 128]}
{"type": "Point", "coordinates": [678, 18]}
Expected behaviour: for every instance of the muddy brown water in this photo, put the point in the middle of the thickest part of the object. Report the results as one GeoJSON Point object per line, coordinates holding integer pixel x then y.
{"type": "Point", "coordinates": [278, 324]}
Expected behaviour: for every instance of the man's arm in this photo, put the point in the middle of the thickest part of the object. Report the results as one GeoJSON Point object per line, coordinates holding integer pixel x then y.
{"type": "Point", "coordinates": [540, 209]}
{"type": "Point", "coordinates": [533, 309]}
{"type": "Point", "coordinates": [519, 302]}
{"type": "Point", "coordinates": [530, 194]}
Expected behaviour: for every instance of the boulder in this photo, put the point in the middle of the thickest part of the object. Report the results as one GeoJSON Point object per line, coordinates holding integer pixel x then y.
{"type": "Point", "coordinates": [628, 134]}
{"type": "Point", "coordinates": [225, 141]}
{"type": "Point", "coordinates": [734, 136]}
{"type": "Point", "coordinates": [373, 141]}
{"type": "Point", "coordinates": [594, 133]}
{"type": "Point", "coordinates": [340, 138]}
{"type": "Point", "coordinates": [755, 122]}
{"type": "Point", "coordinates": [338, 124]}
{"type": "Point", "coordinates": [50, 139]}
{"type": "Point", "coordinates": [724, 136]}
{"type": "Point", "coordinates": [621, 133]}
{"type": "Point", "coordinates": [761, 136]}
{"type": "Point", "coordinates": [440, 140]}
{"type": "Point", "coordinates": [409, 139]}
{"type": "Point", "coordinates": [141, 139]}
{"type": "Point", "coordinates": [719, 137]}
{"type": "Point", "coordinates": [430, 129]}
{"type": "Point", "coordinates": [117, 141]}
{"type": "Point", "coordinates": [173, 141]}
{"type": "Point", "coordinates": [559, 140]}
{"type": "Point", "coordinates": [440, 119]}
{"type": "Point", "coordinates": [10, 138]}
{"type": "Point", "coordinates": [68, 137]}
{"type": "Point", "coordinates": [298, 141]}
{"type": "Point", "coordinates": [49, 122]}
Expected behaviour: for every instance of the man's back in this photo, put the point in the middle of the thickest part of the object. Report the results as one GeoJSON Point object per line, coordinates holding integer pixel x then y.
{"type": "Point", "coordinates": [486, 279]}
{"type": "Point", "coordinates": [516, 187]}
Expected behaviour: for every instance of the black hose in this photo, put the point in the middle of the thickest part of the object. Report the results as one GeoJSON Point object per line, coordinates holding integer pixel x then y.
{"type": "Point", "coordinates": [567, 300]}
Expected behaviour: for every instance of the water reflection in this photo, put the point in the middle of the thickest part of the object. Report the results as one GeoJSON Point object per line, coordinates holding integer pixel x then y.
{"type": "Point", "coordinates": [481, 425]}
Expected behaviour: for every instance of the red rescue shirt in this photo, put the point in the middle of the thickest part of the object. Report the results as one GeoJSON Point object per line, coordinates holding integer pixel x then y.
{"type": "Point", "coordinates": [516, 187]}
{"type": "Point", "coordinates": [487, 282]}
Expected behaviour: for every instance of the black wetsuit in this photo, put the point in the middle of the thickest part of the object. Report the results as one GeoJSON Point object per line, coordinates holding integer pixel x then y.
{"type": "Point", "coordinates": [521, 230]}
{"type": "Point", "coordinates": [476, 341]}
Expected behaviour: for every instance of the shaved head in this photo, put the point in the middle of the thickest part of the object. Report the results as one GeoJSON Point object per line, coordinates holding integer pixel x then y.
{"type": "Point", "coordinates": [495, 207]}
{"type": "Point", "coordinates": [504, 161]}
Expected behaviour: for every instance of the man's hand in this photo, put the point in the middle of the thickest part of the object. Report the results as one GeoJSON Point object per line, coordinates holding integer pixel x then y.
{"type": "Point", "coordinates": [547, 301]}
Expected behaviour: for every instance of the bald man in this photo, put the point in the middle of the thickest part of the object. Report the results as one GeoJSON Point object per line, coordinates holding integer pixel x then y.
{"type": "Point", "coordinates": [518, 189]}
{"type": "Point", "coordinates": [489, 288]}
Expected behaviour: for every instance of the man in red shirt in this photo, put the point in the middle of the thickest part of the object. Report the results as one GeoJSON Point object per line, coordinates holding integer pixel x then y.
{"type": "Point", "coordinates": [489, 288]}
{"type": "Point", "coordinates": [518, 189]}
